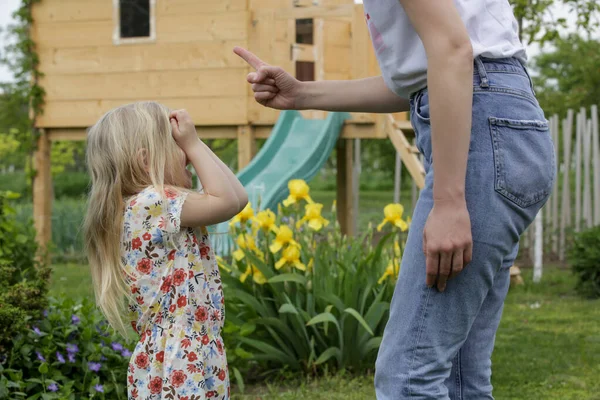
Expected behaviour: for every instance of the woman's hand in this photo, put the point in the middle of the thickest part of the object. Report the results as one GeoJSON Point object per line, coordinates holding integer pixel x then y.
{"type": "Point", "coordinates": [447, 242]}
{"type": "Point", "coordinates": [272, 86]}
{"type": "Point", "coordinates": [184, 130]}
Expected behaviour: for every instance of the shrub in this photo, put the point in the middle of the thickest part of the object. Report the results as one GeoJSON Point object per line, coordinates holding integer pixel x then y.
{"type": "Point", "coordinates": [68, 354]}
{"type": "Point", "coordinates": [584, 257]}
{"type": "Point", "coordinates": [23, 282]}
{"type": "Point", "coordinates": [300, 295]}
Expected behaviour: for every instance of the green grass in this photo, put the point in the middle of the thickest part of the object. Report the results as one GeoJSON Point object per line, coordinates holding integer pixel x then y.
{"type": "Point", "coordinates": [547, 347]}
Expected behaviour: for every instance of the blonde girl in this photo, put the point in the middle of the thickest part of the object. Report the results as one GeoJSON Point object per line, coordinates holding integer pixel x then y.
{"type": "Point", "coordinates": [146, 255]}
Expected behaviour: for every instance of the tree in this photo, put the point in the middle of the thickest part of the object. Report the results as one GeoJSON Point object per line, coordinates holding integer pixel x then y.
{"type": "Point", "coordinates": [569, 76]}
{"type": "Point", "coordinates": [538, 24]}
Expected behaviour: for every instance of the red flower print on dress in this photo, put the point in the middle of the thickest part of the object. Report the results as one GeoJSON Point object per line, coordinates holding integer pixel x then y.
{"type": "Point", "coordinates": [146, 236]}
{"type": "Point", "coordinates": [178, 378]}
{"type": "Point", "coordinates": [181, 301]}
{"type": "Point", "coordinates": [216, 315]}
{"type": "Point", "coordinates": [172, 308]}
{"type": "Point", "coordinates": [170, 193]}
{"type": "Point", "coordinates": [130, 379]}
{"type": "Point", "coordinates": [166, 285]}
{"type": "Point", "coordinates": [160, 356]}
{"type": "Point", "coordinates": [192, 369]}
{"type": "Point", "coordinates": [221, 375]}
{"type": "Point", "coordinates": [171, 256]}
{"type": "Point", "coordinates": [140, 300]}
{"type": "Point", "coordinates": [205, 340]}
{"type": "Point", "coordinates": [219, 346]}
{"type": "Point", "coordinates": [132, 203]}
{"type": "Point", "coordinates": [134, 393]}
{"type": "Point", "coordinates": [209, 394]}
{"type": "Point", "coordinates": [191, 274]}
{"type": "Point", "coordinates": [155, 385]}
{"type": "Point", "coordinates": [179, 276]}
{"type": "Point", "coordinates": [185, 343]}
{"type": "Point", "coordinates": [141, 360]}
{"type": "Point", "coordinates": [192, 357]}
{"type": "Point", "coordinates": [136, 243]}
{"type": "Point", "coordinates": [204, 251]}
{"type": "Point", "coordinates": [144, 265]}
{"type": "Point", "coordinates": [201, 314]}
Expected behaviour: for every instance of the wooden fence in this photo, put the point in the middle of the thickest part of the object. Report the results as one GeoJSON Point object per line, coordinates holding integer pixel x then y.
{"type": "Point", "coordinates": [575, 202]}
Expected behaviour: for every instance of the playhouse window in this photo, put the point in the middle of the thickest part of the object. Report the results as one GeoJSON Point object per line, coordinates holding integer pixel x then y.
{"type": "Point", "coordinates": [134, 21]}
{"type": "Point", "coordinates": [304, 31]}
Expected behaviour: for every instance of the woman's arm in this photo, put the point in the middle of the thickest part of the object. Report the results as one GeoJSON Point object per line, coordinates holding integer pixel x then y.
{"type": "Point", "coordinates": [273, 87]}
{"type": "Point", "coordinates": [447, 235]}
{"type": "Point", "coordinates": [359, 95]}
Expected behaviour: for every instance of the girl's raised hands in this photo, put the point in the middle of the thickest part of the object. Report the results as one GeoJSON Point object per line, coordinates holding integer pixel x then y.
{"type": "Point", "coordinates": [273, 87]}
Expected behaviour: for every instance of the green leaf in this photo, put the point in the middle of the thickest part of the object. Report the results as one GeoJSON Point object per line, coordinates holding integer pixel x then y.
{"type": "Point", "coordinates": [249, 300]}
{"type": "Point", "coordinates": [43, 368]}
{"type": "Point", "coordinates": [327, 354]}
{"type": "Point", "coordinates": [247, 329]}
{"type": "Point", "coordinates": [287, 308]}
{"type": "Point", "coordinates": [360, 319]}
{"type": "Point", "coordinates": [270, 353]}
{"type": "Point", "coordinates": [239, 380]}
{"type": "Point", "coordinates": [288, 278]}
{"type": "Point", "coordinates": [324, 317]}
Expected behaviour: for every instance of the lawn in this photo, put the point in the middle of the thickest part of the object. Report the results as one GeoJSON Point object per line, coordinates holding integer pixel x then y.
{"type": "Point", "coordinates": [547, 347]}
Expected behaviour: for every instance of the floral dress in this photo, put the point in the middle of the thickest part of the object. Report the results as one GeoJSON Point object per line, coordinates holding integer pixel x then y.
{"type": "Point", "coordinates": [176, 303]}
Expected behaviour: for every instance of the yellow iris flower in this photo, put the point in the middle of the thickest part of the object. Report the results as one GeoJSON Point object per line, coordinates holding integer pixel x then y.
{"type": "Point", "coordinates": [246, 241]}
{"type": "Point", "coordinates": [257, 276]}
{"type": "Point", "coordinates": [393, 215]}
{"type": "Point", "coordinates": [221, 264]}
{"type": "Point", "coordinates": [391, 271]}
{"type": "Point", "coordinates": [298, 191]}
{"type": "Point", "coordinates": [291, 256]}
{"type": "Point", "coordinates": [284, 236]}
{"type": "Point", "coordinates": [265, 220]}
{"type": "Point", "coordinates": [314, 217]}
{"type": "Point", "coordinates": [245, 215]}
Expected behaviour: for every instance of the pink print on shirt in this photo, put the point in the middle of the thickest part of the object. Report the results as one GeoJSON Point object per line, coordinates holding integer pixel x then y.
{"type": "Point", "coordinates": [376, 37]}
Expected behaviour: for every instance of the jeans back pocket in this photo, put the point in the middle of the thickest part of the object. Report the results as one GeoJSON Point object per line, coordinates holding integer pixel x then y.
{"type": "Point", "coordinates": [524, 160]}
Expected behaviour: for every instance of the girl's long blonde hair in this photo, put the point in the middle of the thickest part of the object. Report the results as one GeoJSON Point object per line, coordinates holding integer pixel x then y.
{"type": "Point", "coordinates": [128, 149]}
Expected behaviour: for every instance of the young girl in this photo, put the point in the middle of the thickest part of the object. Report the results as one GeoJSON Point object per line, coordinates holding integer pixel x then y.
{"type": "Point", "coordinates": [142, 245]}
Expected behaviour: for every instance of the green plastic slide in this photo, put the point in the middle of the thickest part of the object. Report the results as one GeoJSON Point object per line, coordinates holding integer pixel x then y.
{"type": "Point", "coordinates": [296, 149]}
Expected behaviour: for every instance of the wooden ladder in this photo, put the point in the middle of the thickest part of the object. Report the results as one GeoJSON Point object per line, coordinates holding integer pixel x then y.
{"type": "Point", "coordinates": [408, 153]}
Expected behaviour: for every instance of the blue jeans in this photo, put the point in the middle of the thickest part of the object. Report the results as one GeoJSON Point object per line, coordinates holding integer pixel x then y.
{"type": "Point", "coordinates": [439, 345]}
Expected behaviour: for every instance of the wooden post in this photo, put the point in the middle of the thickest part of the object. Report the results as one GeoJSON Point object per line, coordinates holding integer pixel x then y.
{"type": "Point", "coordinates": [587, 193]}
{"type": "Point", "coordinates": [344, 186]}
{"type": "Point", "coordinates": [596, 166]}
{"type": "Point", "coordinates": [566, 191]}
{"type": "Point", "coordinates": [42, 192]}
{"type": "Point", "coordinates": [555, 198]}
{"type": "Point", "coordinates": [398, 178]}
{"type": "Point", "coordinates": [580, 126]}
{"type": "Point", "coordinates": [356, 170]}
{"type": "Point", "coordinates": [245, 138]}
{"type": "Point", "coordinates": [538, 245]}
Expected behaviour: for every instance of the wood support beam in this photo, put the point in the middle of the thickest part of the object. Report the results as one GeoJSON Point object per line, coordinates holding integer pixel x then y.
{"type": "Point", "coordinates": [407, 151]}
{"type": "Point", "coordinates": [345, 209]}
{"type": "Point", "coordinates": [42, 192]}
{"type": "Point", "coordinates": [246, 144]}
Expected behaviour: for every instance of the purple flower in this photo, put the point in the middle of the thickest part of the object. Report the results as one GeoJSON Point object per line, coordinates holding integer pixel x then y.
{"type": "Point", "coordinates": [99, 388]}
{"type": "Point", "coordinates": [71, 357]}
{"type": "Point", "coordinates": [94, 366]}
{"type": "Point", "coordinates": [60, 358]}
{"type": "Point", "coordinates": [102, 358]}
{"type": "Point", "coordinates": [117, 346]}
{"type": "Point", "coordinates": [45, 313]}
{"type": "Point", "coordinates": [72, 348]}
{"type": "Point", "coordinates": [126, 353]}
{"type": "Point", "coordinates": [75, 319]}
{"type": "Point", "coordinates": [53, 387]}
{"type": "Point", "coordinates": [37, 330]}
{"type": "Point", "coordinates": [40, 356]}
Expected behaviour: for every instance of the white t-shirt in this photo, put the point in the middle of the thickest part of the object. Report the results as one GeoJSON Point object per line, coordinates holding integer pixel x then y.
{"type": "Point", "coordinates": [491, 25]}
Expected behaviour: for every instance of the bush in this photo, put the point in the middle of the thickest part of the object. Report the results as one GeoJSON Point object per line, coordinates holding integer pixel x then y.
{"type": "Point", "coordinates": [68, 354]}
{"type": "Point", "coordinates": [71, 185]}
{"type": "Point", "coordinates": [301, 296]}
{"type": "Point", "coordinates": [15, 182]}
{"type": "Point", "coordinates": [23, 282]}
{"type": "Point", "coordinates": [584, 257]}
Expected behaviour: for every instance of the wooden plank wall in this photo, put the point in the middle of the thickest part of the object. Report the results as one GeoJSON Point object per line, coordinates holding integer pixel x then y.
{"type": "Point", "coordinates": [190, 65]}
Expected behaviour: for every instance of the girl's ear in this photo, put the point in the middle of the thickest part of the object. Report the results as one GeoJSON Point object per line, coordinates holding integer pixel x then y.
{"type": "Point", "coordinates": [142, 155]}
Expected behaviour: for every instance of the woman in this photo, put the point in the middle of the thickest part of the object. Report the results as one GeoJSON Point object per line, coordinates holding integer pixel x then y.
{"type": "Point", "coordinates": [457, 65]}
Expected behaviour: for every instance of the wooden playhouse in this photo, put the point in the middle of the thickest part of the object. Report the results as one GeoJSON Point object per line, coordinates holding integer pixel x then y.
{"type": "Point", "coordinates": [99, 54]}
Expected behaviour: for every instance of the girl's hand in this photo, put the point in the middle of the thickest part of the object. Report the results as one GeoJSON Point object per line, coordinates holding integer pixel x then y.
{"type": "Point", "coordinates": [184, 130]}
{"type": "Point", "coordinates": [272, 86]}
